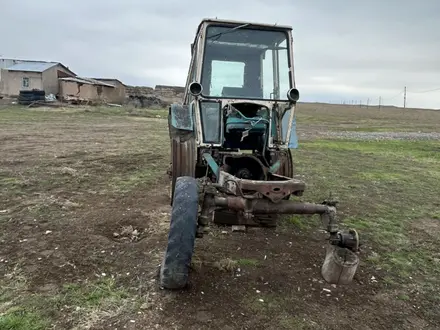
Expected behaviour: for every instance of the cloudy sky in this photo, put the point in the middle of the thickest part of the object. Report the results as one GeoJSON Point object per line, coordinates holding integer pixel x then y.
{"type": "Point", "coordinates": [345, 50]}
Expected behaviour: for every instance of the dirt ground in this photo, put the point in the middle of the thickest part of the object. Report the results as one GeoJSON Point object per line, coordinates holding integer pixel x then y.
{"type": "Point", "coordinates": [84, 214]}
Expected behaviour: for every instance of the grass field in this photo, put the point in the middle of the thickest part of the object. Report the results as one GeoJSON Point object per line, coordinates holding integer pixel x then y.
{"type": "Point", "coordinates": [84, 214]}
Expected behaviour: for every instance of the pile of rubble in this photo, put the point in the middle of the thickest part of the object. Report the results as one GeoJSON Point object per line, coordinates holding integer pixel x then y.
{"type": "Point", "coordinates": [158, 97]}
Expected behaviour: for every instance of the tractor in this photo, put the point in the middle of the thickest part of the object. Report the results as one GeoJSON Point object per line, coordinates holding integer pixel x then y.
{"type": "Point", "coordinates": [231, 137]}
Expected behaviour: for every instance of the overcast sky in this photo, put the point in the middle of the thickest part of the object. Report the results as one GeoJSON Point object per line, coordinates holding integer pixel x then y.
{"type": "Point", "coordinates": [345, 50]}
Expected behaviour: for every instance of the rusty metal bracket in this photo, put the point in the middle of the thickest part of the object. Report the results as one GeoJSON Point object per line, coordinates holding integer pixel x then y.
{"type": "Point", "coordinates": [275, 191]}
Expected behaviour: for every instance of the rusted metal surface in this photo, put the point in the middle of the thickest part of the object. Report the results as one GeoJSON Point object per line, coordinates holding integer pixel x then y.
{"type": "Point", "coordinates": [265, 206]}
{"type": "Point", "coordinates": [286, 168]}
{"type": "Point", "coordinates": [349, 240]}
{"type": "Point", "coordinates": [275, 191]}
{"type": "Point", "coordinates": [248, 208]}
{"type": "Point", "coordinates": [230, 217]}
{"type": "Point", "coordinates": [183, 159]}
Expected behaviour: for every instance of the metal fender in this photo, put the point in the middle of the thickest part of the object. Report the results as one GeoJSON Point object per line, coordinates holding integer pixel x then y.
{"type": "Point", "coordinates": [182, 117]}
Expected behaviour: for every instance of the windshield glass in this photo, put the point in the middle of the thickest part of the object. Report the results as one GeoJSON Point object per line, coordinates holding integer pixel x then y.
{"type": "Point", "coordinates": [245, 63]}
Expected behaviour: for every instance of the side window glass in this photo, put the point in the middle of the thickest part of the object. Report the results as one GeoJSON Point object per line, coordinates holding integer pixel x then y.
{"type": "Point", "coordinates": [284, 76]}
{"type": "Point", "coordinates": [211, 116]}
{"type": "Point", "coordinates": [268, 75]}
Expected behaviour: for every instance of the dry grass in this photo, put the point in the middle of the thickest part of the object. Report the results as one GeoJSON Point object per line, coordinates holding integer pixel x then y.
{"type": "Point", "coordinates": [354, 118]}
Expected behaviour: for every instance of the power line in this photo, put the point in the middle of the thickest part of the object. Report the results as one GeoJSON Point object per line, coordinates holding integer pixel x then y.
{"type": "Point", "coordinates": [393, 97]}
{"type": "Point", "coordinates": [430, 90]}
{"type": "Point", "coordinates": [403, 93]}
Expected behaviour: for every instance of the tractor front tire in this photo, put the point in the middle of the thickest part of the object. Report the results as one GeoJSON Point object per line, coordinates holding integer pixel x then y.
{"type": "Point", "coordinates": [183, 226]}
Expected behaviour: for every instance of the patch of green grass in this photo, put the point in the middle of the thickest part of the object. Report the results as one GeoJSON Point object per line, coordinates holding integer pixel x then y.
{"type": "Point", "coordinates": [335, 116]}
{"type": "Point", "coordinates": [22, 113]}
{"type": "Point", "coordinates": [363, 224]}
{"type": "Point", "coordinates": [21, 310]}
{"type": "Point", "coordinates": [299, 222]}
{"type": "Point", "coordinates": [106, 111]}
{"type": "Point", "coordinates": [436, 215]}
{"type": "Point", "coordinates": [409, 261]}
{"type": "Point", "coordinates": [403, 297]}
{"type": "Point", "coordinates": [370, 129]}
{"type": "Point", "coordinates": [128, 181]}
{"type": "Point", "coordinates": [247, 262]}
{"type": "Point", "coordinates": [418, 150]}
{"type": "Point", "coordinates": [15, 313]}
{"type": "Point", "coordinates": [226, 264]}
{"type": "Point", "coordinates": [296, 322]}
{"type": "Point", "coordinates": [383, 176]}
{"type": "Point", "coordinates": [382, 187]}
{"type": "Point", "coordinates": [390, 280]}
{"type": "Point", "coordinates": [23, 319]}
{"type": "Point", "coordinates": [397, 128]}
{"type": "Point", "coordinates": [102, 292]}
{"type": "Point", "coordinates": [271, 304]}
{"type": "Point", "coordinates": [9, 181]}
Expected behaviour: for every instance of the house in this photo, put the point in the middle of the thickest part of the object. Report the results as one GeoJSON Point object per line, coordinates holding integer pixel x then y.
{"type": "Point", "coordinates": [7, 62]}
{"type": "Point", "coordinates": [120, 89]}
{"type": "Point", "coordinates": [28, 75]}
{"type": "Point", "coordinates": [91, 90]}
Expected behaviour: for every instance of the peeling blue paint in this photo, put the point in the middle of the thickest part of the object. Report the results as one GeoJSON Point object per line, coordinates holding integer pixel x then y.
{"type": "Point", "coordinates": [211, 163]}
{"type": "Point", "coordinates": [182, 117]}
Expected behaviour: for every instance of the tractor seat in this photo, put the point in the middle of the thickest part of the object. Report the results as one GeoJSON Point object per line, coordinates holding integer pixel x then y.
{"type": "Point", "coordinates": [241, 124]}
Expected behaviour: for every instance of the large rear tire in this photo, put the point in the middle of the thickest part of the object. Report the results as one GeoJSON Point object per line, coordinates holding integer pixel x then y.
{"type": "Point", "coordinates": [286, 168]}
{"type": "Point", "coordinates": [182, 234]}
{"type": "Point", "coordinates": [183, 154]}
{"type": "Point", "coordinates": [183, 159]}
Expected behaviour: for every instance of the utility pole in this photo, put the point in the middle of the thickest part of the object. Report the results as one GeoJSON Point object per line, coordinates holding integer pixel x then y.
{"type": "Point", "coordinates": [380, 101]}
{"type": "Point", "coordinates": [404, 98]}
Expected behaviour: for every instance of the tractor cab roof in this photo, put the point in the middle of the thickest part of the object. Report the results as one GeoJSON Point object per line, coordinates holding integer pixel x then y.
{"type": "Point", "coordinates": [233, 22]}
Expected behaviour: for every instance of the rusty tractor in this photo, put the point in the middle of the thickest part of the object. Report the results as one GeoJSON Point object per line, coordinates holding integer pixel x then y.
{"type": "Point", "coordinates": [230, 140]}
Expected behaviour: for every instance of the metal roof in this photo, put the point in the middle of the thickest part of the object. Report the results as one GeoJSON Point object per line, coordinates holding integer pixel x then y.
{"type": "Point", "coordinates": [32, 66]}
{"type": "Point", "coordinates": [87, 81]}
{"type": "Point", "coordinates": [108, 80]}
